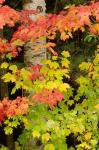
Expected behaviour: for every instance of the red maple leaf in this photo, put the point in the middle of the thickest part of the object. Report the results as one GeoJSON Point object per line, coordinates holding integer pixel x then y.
{"type": "Point", "coordinates": [2, 1]}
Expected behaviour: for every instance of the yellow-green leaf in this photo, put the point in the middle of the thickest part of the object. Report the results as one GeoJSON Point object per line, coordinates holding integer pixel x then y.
{"type": "Point", "coordinates": [4, 65]}
{"type": "Point", "coordinates": [49, 147]}
{"type": "Point", "coordinates": [9, 77]}
{"type": "Point", "coordinates": [36, 134]}
{"type": "Point", "coordinates": [46, 137]}
{"type": "Point", "coordinates": [13, 68]}
{"type": "Point", "coordinates": [63, 87]}
{"type": "Point", "coordinates": [88, 135]}
{"type": "Point", "coordinates": [65, 54]}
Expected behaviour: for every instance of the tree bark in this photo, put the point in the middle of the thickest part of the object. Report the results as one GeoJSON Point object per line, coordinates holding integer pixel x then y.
{"type": "Point", "coordinates": [32, 56]}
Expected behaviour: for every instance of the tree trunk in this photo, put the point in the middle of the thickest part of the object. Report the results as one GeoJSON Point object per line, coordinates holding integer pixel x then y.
{"type": "Point", "coordinates": [32, 56]}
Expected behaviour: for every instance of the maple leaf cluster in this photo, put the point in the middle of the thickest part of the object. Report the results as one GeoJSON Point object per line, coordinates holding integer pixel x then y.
{"type": "Point", "coordinates": [7, 47]}
{"type": "Point", "coordinates": [44, 95]}
{"type": "Point", "coordinates": [66, 22]}
{"type": "Point", "coordinates": [50, 97]}
{"type": "Point", "coordinates": [19, 106]}
{"type": "Point", "coordinates": [47, 96]}
{"type": "Point", "coordinates": [8, 16]}
{"type": "Point", "coordinates": [35, 73]}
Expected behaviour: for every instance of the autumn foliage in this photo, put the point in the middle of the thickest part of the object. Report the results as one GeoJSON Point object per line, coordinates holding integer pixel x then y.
{"type": "Point", "coordinates": [19, 106]}
{"type": "Point", "coordinates": [50, 97]}
{"type": "Point", "coordinates": [62, 100]}
{"type": "Point", "coordinates": [66, 23]}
